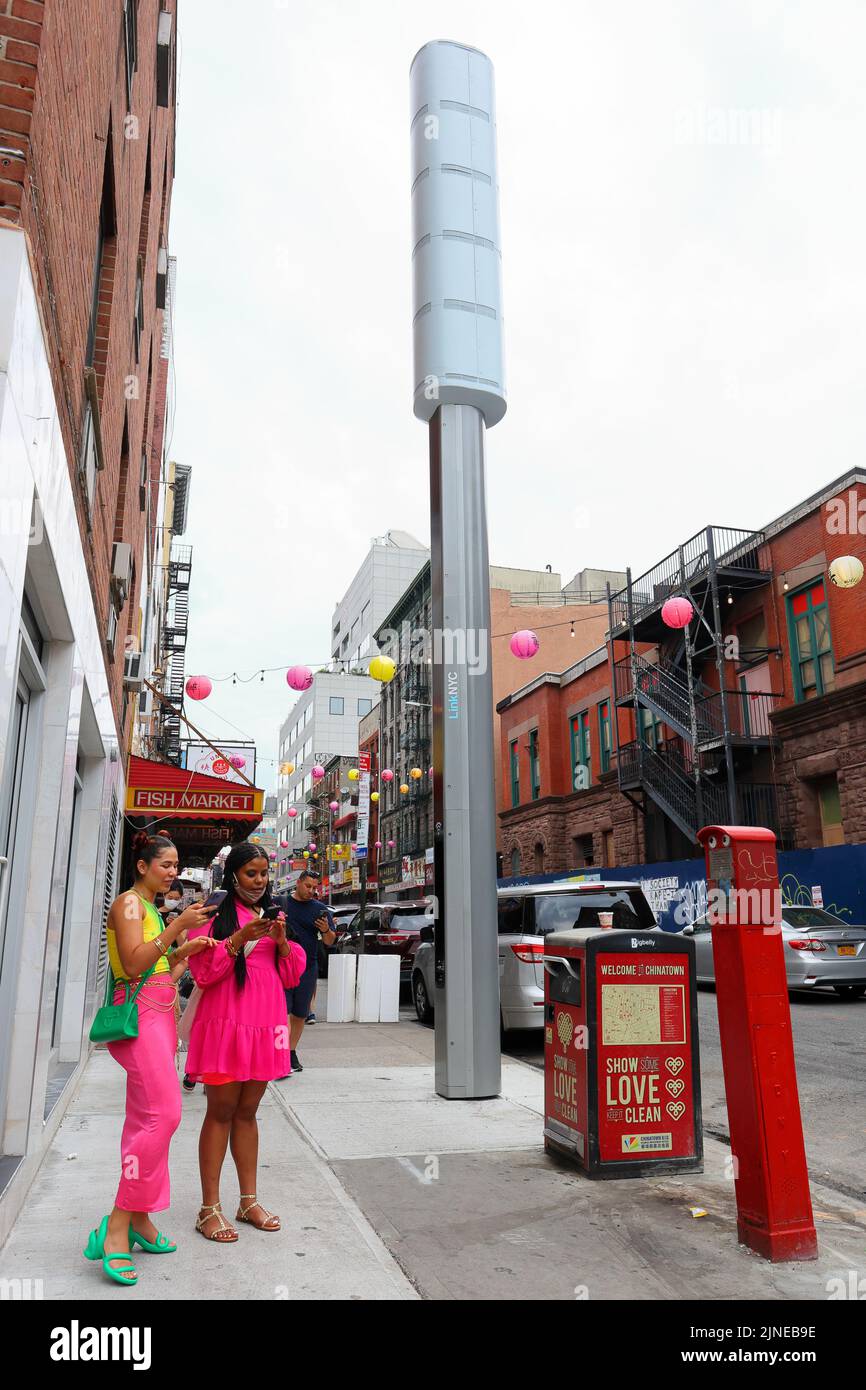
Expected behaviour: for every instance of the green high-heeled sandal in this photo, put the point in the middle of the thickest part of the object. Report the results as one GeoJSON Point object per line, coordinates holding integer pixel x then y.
{"type": "Point", "coordinates": [95, 1250]}
{"type": "Point", "coordinates": [161, 1246]}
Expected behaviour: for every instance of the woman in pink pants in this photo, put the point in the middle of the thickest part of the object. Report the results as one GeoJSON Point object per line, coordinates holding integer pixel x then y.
{"type": "Point", "coordinates": [239, 1037]}
{"type": "Point", "coordinates": [137, 939]}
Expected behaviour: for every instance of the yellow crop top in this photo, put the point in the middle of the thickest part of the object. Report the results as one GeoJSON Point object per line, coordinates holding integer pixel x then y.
{"type": "Point", "coordinates": [152, 926]}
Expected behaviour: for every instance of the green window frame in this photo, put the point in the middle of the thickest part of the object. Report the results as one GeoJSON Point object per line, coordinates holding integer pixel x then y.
{"type": "Point", "coordinates": [515, 773]}
{"type": "Point", "coordinates": [649, 727]}
{"type": "Point", "coordinates": [604, 735]}
{"type": "Point", "coordinates": [812, 663]}
{"type": "Point", "coordinates": [534, 773]}
{"type": "Point", "coordinates": [581, 749]}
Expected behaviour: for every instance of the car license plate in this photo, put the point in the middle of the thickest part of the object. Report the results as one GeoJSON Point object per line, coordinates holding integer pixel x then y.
{"type": "Point", "coordinates": [847, 950]}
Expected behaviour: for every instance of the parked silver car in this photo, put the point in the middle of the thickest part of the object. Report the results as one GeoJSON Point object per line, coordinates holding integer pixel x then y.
{"type": "Point", "coordinates": [820, 951]}
{"type": "Point", "coordinates": [527, 915]}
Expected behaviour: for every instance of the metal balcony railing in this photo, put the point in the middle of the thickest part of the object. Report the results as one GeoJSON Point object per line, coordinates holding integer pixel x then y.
{"type": "Point", "coordinates": [748, 714]}
{"type": "Point", "coordinates": [732, 549]}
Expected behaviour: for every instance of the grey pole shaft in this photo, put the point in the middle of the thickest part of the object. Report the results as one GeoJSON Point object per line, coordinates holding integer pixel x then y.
{"type": "Point", "coordinates": [466, 946]}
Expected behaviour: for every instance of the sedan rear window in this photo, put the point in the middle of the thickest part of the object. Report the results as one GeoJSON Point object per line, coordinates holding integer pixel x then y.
{"type": "Point", "coordinates": [407, 921]}
{"type": "Point", "coordinates": [805, 917]}
{"type": "Point", "coordinates": [560, 911]}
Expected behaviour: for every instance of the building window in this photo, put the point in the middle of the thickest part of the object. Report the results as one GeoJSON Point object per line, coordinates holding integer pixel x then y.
{"type": "Point", "coordinates": [138, 315]}
{"type": "Point", "coordinates": [515, 862]}
{"type": "Point", "coordinates": [811, 648]}
{"type": "Point", "coordinates": [364, 706]}
{"type": "Point", "coordinates": [534, 774]}
{"type": "Point", "coordinates": [649, 728]}
{"type": "Point", "coordinates": [583, 851]}
{"type": "Point", "coordinates": [604, 734]}
{"type": "Point", "coordinates": [581, 759]}
{"type": "Point", "coordinates": [609, 849]}
{"type": "Point", "coordinates": [130, 43]}
{"type": "Point", "coordinates": [335, 704]}
{"type": "Point", "coordinates": [539, 858]}
{"type": "Point", "coordinates": [515, 773]}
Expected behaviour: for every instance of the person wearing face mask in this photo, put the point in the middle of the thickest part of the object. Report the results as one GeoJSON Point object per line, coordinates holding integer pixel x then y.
{"type": "Point", "coordinates": [239, 1039]}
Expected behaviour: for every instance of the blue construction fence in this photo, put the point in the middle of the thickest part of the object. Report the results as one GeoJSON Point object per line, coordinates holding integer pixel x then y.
{"type": "Point", "coordinates": [833, 878]}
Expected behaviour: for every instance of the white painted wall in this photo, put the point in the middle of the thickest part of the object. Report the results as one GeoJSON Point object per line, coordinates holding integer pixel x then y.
{"type": "Point", "coordinates": [33, 465]}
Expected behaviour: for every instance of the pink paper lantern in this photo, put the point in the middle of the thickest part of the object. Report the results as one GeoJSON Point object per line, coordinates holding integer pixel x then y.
{"type": "Point", "coordinates": [299, 677]}
{"type": "Point", "coordinates": [284, 844]}
{"type": "Point", "coordinates": [430, 771]}
{"type": "Point", "coordinates": [318, 772]}
{"type": "Point", "coordinates": [312, 846]}
{"type": "Point", "coordinates": [291, 812]}
{"type": "Point", "coordinates": [272, 855]}
{"type": "Point", "coordinates": [198, 687]}
{"type": "Point", "coordinates": [524, 644]}
{"type": "Point", "coordinates": [677, 612]}
{"type": "Point", "coordinates": [387, 774]}
{"type": "Point", "coordinates": [237, 761]}
{"type": "Point", "coordinates": [378, 844]}
{"type": "Point", "coordinates": [333, 805]}
{"type": "Point", "coordinates": [391, 844]}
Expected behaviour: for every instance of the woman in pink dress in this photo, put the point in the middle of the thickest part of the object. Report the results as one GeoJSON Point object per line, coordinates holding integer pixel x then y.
{"type": "Point", "coordinates": [239, 1038]}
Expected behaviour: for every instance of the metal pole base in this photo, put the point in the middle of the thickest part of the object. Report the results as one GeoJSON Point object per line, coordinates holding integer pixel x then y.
{"type": "Point", "coordinates": [468, 1063]}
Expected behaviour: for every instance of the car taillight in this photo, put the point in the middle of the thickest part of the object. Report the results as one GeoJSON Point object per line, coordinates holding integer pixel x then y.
{"type": "Point", "coordinates": [806, 944]}
{"type": "Point", "coordinates": [528, 951]}
{"type": "Point", "coordinates": [392, 938]}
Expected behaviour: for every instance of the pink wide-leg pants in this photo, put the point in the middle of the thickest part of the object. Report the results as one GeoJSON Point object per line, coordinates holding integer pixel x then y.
{"type": "Point", "coordinates": [153, 1103]}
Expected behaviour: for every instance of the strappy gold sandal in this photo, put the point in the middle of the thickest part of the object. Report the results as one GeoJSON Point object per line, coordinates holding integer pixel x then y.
{"type": "Point", "coordinates": [217, 1211]}
{"type": "Point", "coordinates": [253, 1202]}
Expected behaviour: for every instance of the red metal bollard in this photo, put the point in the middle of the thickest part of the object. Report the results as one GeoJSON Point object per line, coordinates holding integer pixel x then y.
{"type": "Point", "coordinates": [771, 1181]}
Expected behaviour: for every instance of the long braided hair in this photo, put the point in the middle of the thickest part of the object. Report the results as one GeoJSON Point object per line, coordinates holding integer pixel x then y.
{"type": "Point", "coordinates": [226, 920]}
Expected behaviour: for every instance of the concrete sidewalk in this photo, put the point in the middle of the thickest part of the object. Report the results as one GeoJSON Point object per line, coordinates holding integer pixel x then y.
{"type": "Point", "coordinates": [388, 1192]}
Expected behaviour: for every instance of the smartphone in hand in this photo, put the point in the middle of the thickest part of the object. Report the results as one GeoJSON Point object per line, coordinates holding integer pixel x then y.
{"type": "Point", "coordinates": [216, 899]}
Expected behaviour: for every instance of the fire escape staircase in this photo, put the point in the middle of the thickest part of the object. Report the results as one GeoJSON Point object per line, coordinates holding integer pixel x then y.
{"type": "Point", "coordinates": [174, 635]}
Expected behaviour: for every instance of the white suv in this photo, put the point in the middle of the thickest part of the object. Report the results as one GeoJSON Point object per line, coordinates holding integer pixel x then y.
{"type": "Point", "coordinates": [527, 915]}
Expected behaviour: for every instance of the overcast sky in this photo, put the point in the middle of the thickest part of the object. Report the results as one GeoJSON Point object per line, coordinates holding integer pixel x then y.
{"type": "Point", "coordinates": [684, 292]}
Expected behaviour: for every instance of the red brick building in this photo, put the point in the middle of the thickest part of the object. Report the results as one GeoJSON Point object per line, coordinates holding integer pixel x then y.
{"type": "Point", "coordinates": [91, 191]}
{"type": "Point", "coordinates": [619, 758]}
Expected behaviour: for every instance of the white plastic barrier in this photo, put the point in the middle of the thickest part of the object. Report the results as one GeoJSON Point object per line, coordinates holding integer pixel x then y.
{"type": "Point", "coordinates": [389, 991]}
{"type": "Point", "coordinates": [378, 989]}
{"type": "Point", "coordinates": [341, 988]}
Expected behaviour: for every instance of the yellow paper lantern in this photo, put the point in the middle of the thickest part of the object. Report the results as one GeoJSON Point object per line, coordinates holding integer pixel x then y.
{"type": "Point", "coordinates": [404, 786]}
{"type": "Point", "coordinates": [353, 774]}
{"type": "Point", "coordinates": [306, 854]}
{"type": "Point", "coordinates": [846, 571]}
{"type": "Point", "coordinates": [374, 796]}
{"type": "Point", "coordinates": [415, 773]}
{"type": "Point", "coordinates": [382, 668]}
{"type": "Point", "coordinates": [286, 769]}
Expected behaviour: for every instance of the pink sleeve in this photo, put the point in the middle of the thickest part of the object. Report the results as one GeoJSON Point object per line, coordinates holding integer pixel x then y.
{"type": "Point", "coordinates": [212, 965]}
{"type": "Point", "coordinates": [293, 965]}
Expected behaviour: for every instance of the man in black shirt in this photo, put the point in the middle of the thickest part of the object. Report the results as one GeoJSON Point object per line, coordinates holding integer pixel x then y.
{"type": "Point", "coordinates": [309, 920]}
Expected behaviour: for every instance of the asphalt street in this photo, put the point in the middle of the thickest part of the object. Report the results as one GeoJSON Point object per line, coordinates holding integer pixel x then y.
{"type": "Point", "coordinates": [830, 1051]}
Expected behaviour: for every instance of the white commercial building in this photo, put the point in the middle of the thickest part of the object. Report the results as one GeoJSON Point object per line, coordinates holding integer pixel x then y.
{"type": "Point", "coordinates": [391, 564]}
{"type": "Point", "coordinates": [323, 722]}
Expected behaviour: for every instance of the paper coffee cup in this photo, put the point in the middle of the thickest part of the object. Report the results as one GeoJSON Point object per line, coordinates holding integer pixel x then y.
{"type": "Point", "coordinates": [605, 919]}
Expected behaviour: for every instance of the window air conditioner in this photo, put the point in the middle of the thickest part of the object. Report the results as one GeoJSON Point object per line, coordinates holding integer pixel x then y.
{"type": "Point", "coordinates": [121, 568]}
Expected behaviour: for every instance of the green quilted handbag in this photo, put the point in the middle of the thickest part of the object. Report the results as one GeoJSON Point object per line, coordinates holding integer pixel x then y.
{"type": "Point", "coordinates": [117, 1022]}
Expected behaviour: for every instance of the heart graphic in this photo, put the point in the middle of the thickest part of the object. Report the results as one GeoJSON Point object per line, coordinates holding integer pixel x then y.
{"type": "Point", "coordinates": [674, 1088]}
{"type": "Point", "coordinates": [675, 1065]}
{"type": "Point", "coordinates": [675, 1108]}
{"type": "Point", "coordinates": [565, 1028]}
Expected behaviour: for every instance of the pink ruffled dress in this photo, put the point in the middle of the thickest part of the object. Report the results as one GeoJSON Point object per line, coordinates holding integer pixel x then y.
{"type": "Point", "coordinates": [242, 1034]}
